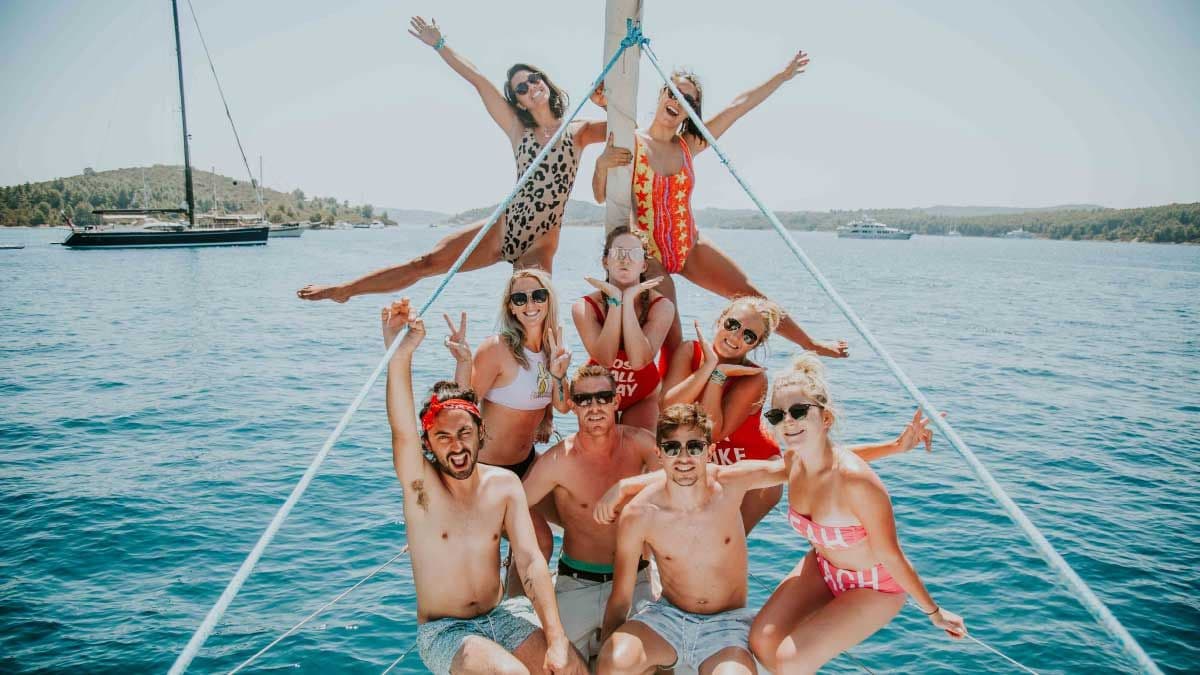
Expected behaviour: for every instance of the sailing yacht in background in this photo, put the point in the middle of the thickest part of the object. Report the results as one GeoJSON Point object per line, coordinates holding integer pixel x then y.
{"type": "Point", "coordinates": [137, 228]}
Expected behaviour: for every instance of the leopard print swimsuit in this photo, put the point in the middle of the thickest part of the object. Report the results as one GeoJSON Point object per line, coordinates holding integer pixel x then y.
{"type": "Point", "coordinates": [538, 208]}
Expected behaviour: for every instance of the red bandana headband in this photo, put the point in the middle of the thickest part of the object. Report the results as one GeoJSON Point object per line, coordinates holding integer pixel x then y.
{"type": "Point", "coordinates": [436, 406]}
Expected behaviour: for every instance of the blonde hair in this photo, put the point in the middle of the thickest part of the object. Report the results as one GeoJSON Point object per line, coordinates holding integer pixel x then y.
{"type": "Point", "coordinates": [807, 374]}
{"type": "Point", "coordinates": [512, 333]}
{"type": "Point", "coordinates": [770, 312]}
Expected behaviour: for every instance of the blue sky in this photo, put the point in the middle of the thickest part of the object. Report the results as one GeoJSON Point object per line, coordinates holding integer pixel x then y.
{"type": "Point", "coordinates": [1016, 103]}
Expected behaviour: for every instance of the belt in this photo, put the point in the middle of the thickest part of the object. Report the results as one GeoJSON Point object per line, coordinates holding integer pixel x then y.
{"type": "Point", "coordinates": [599, 577]}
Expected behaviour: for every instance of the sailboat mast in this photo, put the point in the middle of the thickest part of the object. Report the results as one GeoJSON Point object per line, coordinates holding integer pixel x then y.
{"type": "Point", "coordinates": [187, 156]}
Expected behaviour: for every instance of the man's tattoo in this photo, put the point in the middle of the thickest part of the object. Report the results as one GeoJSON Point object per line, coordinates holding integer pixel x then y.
{"type": "Point", "coordinates": [418, 486]}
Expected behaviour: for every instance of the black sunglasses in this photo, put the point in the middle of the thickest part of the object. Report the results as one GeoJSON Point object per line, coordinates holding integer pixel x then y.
{"type": "Point", "coordinates": [538, 295]}
{"type": "Point", "coordinates": [690, 101]}
{"type": "Point", "coordinates": [748, 336]}
{"type": "Point", "coordinates": [523, 87]}
{"type": "Point", "coordinates": [798, 411]}
{"type": "Point", "coordinates": [600, 397]}
{"type": "Point", "coordinates": [695, 448]}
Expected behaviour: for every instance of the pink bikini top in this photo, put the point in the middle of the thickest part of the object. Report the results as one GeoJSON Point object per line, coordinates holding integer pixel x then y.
{"type": "Point", "coordinates": [833, 538]}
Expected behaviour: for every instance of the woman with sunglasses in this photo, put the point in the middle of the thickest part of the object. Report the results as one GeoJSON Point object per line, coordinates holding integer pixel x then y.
{"type": "Point", "coordinates": [623, 325]}
{"type": "Point", "coordinates": [519, 373]}
{"type": "Point", "coordinates": [855, 577]}
{"type": "Point", "coordinates": [529, 111]}
{"type": "Point", "coordinates": [663, 181]}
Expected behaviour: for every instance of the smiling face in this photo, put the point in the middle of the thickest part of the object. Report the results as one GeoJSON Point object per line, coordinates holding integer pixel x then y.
{"type": "Point", "coordinates": [595, 418]}
{"type": "Point", "coordinates": [809, 432]}
{"type": "Point", "coordinates": [670, 112]}
{"type": "Point", "coordinates": [685, 469]}
{"type": "Point", "coordinates": [537, 92]}
{"type": "Point", "coordinates": [532, 314]}
{"type": "Point", "coordinates": [740, 329]}
{"type": "Point", "coordinates": [454, 441]}
{"type": "Point", "coordinates": [625, 260]}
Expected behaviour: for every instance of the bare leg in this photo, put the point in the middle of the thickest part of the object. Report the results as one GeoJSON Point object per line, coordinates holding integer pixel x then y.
{"type": "Point", "coordinates": [644, 413]}
{"type": "Point", "coordinates": [846, 621]}
{"type": "Point", "coordinates": [729, 661]}
{"type": "Point", "coordinates": [437, 261]}
{"type": "Point", "coordinates": [532, 654]}
{"type": "Point", "coordinates": [540, 254]}
{"type": "Point", "coordinates": [634, 648]}
{"type": "Point", "coordinates": [758, 503]}
{"type": "Point", "coordinates": [480, 655]}
{"type": "Point", "coordinates": [710, 268]}
{"type": "Point", "coordinates": [800, 594]}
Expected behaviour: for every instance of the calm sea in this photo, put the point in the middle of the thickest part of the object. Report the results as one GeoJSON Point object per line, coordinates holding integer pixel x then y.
{"type": "Point", "coordinates": [156, 407]}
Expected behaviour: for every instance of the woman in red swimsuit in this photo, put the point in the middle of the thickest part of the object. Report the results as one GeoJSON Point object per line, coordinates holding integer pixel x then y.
{"type": "Point", "coordinates": [855, 577]}
{"type": "Point", "coordinates": [623, 325]}
{"type": "Point", "coordinates": [663, 181]}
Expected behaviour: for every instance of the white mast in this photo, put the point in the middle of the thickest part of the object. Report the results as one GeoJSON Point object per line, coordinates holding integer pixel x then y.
{"type": "Point", "coordinates": [620, 88]}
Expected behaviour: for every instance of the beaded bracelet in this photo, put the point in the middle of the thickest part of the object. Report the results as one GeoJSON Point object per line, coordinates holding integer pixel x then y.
{"type": "Point", "coordinates": [440, 43]}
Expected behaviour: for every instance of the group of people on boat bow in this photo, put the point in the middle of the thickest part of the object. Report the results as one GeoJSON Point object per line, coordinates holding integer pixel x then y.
{"type": "Point", "coordinates": [674, 462]}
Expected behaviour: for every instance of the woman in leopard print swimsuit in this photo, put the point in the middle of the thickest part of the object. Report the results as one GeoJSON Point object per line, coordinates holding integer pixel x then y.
{"type": "Point", "coordinates": [529, 111]}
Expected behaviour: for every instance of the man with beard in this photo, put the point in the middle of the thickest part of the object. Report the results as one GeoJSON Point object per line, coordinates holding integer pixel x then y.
{"type": "Point", "coordinates": [455, 511]}
{"type": "Point", "coordinates": [575, 474]}
{"type": "Point", "coordinates": [689, 515]}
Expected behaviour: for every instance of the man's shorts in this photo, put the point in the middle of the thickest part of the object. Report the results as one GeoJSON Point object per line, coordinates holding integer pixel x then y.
{"type": "Point", "coordinates": [581, 604]}
{"type": "Point", "coordinates": [508, 625]}
{"type": "Point", "coordinates": [695, 637]}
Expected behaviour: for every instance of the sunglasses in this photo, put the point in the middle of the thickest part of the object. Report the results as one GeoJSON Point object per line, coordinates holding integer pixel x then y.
{"type": "Point", "coordinates": [599, 397]}
{"type": "Point", "coordinates": [798, 411]}
{"type": "Point", "coordinates": [617, 254]}
{"type": "Point", "coordinates": [694, 103]}
{"type": "Point", "coordinates": [538, 295]}
{"type": "Point", "coordinates": [748, 336]}
{"type": "Point", "coordinates": [695, 448]}
{"type": "Point", "coordinates": [523, 87]}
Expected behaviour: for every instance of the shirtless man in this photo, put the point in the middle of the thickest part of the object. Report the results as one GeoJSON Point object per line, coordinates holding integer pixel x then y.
{"type": "Point", "coordinates": [689, 515]}
{"type": "Point", "coordinates": [455, 511]}
{"type": "Point", "coordinates": [575, 474]}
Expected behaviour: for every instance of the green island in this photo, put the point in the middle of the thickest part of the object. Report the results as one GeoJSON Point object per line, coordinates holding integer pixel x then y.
{"type": "Point", "coordinates": [160, 186]}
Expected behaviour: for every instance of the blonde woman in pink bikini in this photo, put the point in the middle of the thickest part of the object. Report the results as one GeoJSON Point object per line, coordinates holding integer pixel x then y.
{"type": "Point", "coordinates": [856, 577]}
{"type": "Point", "coordinates": [663, 181]}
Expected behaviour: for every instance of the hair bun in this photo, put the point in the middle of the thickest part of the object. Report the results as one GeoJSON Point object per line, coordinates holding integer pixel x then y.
{"type": "Point", "coordinates": [807, 364]}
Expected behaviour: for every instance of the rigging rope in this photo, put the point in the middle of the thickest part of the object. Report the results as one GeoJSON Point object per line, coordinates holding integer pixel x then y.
{"type": "Point", "coordinates": [1039, 541]}
{"type": "Point", "coordinates": [235, 584]}
{"type": "Point", "coordinates": [245, 162]}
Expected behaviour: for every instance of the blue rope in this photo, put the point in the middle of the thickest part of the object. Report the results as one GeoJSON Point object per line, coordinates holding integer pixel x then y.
{"type": "Point", "coordinates": [1039, 541]}
{"type": "Point", "coordinates": [235, 584]}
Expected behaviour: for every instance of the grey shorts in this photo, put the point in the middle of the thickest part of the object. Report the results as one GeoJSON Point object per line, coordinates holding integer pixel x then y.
{"type": "Point", "coordinates": [508, 625]}
{"type": "Point", "coordinates": [581, 605]}
{"type": "Point", "coordinates": [695, 637]}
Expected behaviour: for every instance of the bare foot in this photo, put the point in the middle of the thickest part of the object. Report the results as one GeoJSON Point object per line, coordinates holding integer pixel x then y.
{"type": "Point", "coordinates": [312, 292]}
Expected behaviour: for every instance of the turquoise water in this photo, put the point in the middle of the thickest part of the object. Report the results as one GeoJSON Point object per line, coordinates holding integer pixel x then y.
{"type": "Point", "coordinates": [157, 406]}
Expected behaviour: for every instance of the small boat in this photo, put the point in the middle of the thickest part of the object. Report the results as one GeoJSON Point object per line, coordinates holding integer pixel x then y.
{"type": "Point", "coordinates": [286, 230]}
{"type": "Point", "coordinates": [869, 228]}
{"type": "Point", "coordinates": [11, 247]}
{"type": "Point", "coordinates": [954, 233]}
{"type": "Point", "coordinates": [362, 226]}
{"type": "Point", "coordinates": [1019, 233]}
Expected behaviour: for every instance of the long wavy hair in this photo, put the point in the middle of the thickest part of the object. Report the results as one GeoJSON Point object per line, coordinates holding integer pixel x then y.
{"type": "Point", "coordinates": [512, 333]}
{"type": "Point", "coordinates": [558, 98]}
{"type": "Point", "coordinates": [689, 128]}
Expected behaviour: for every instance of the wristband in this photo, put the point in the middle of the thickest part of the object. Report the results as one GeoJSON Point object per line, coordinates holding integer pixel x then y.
{"type": "Point", "coordinates": [615, 302]}
{"type": "Point", "coordinates": [437, 46]}
{"type": "Point", "coordinates": [717, 377]}
{"type": "Point", "coordinates": [936, 609]}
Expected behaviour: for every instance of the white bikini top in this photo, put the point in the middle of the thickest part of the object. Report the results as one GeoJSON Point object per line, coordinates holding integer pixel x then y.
{"type": "Point", "coordinates": [529, 390]}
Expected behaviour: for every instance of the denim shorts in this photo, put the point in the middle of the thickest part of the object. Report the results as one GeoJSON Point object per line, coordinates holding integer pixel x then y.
{"type": "Point", "coordinates": [508, 625]}
{"type": "Point", "coordinates": [695, 637]}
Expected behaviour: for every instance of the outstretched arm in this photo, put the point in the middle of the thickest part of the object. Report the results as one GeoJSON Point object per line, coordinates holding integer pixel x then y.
{"type": "Point", "coordinates": [406, 442]}
{"type": "Point", "coordinates": [720, 123]}
{"type": "Point", "coordinates": [917, 431]}
{"type": "Point", "coordinates": [617, 496]}
{"type": "Point", "coordinates": [497, 106]}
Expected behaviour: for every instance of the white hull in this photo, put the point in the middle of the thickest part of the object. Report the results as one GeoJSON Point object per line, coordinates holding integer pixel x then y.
{"type": "Point", "coordinates": [874, 235]}
{"type": "Point", "coordinates": [285, 231]}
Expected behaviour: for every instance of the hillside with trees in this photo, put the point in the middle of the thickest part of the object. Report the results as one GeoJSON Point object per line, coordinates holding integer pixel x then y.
{"type": "Point", "coordinates": [162, 186]}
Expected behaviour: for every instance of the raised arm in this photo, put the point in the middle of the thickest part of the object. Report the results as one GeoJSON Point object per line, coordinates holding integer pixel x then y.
{"type": "Point", "coordinates": [718, 124]}
{"type": "Point", "coordinates": [917, 431]}
{"type": "Point", "coordinates": [497, 106]}
{"type": "Point", "coordinates": [643, 342]}
{"type": "Point", "coordinates": [601, 337]}
{"type": "Point", "coordinates": [406, 442]}
{"type": "Point", "coordinates": [631, 539]}
{"type": "Point", "coordinates": [611, 158]}
{"type": "Point", "coordinates": [560, 361]}
{"type": "Point", "coordinates": [456, 342]}
{"type": "Point", "coordinates": [535, 575]}
{"type": "Point", "coordinates": [728, 408]}
{"type": "Point", "coordinates": [681, 384]}
{"type": "Point", "coordinates": [617, 496]}
{"type": "Point", "coordinates": [870, 503]}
